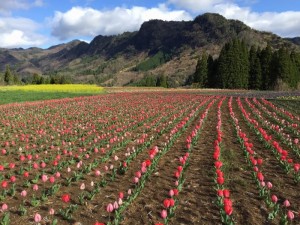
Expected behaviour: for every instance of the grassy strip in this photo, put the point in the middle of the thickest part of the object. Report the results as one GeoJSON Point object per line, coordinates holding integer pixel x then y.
{"type": "Point", "coordinates": [10, 94]}
{"type": "Point", "coordinates": [25, 96]}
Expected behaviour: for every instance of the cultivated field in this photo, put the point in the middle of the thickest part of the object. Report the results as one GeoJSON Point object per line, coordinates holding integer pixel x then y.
{"type": "Point", "coordinates": [151, 158]}
{"type": "Point", "coordinates": [9, 94]}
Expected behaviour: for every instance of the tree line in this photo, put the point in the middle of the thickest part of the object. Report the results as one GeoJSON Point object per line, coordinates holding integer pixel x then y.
{"type": "Point", "coordinates": [10, 77]}
{"type": "Point", "coordinates": [239, 67]}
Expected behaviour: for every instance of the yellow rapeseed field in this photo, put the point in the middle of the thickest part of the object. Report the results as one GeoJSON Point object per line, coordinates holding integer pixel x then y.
{"type": "Point", "coordinates": [68, 88]}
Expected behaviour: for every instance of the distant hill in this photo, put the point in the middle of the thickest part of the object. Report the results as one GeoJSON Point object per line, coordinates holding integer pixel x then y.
{"type": "Point", "coordinates": [158, 48]}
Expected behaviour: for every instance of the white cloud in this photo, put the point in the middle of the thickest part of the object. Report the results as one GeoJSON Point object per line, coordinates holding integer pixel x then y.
{"type": "Point", "coordinates": [16, 32]}
{"type": "Point", "coordinates": [80, 21]}
{"type": "Point", "coordinates": [285, 24]}
{"type": "Point", "coordinates": [196, 5]}
{"type": "Point", "coordinates": [7, 6]}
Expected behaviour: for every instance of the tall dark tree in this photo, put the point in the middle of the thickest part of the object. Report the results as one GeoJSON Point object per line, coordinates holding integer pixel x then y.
{"type": "Point", "coordinates": [295, 57]}
{"type": "Point", "coordinates": [284, 69]}
{"type": "Point", "coordinates": [212, 72]}
{"type": "Point", "coordinates": [201, 73]}
{"type": "Point", "coordinates": [265, 63]}
{"type": "Point", "coordinates": [233, 66]}
{"type": "Point", "coordinates": [8, 76]}
{"type": "Point", "coordinates": [161, 81]}
{"type": "Point", "coordinates": [255, 76]}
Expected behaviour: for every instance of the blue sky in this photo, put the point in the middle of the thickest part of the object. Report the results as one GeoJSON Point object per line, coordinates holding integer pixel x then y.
{"type": "Point", "coordinates": [42, 23]}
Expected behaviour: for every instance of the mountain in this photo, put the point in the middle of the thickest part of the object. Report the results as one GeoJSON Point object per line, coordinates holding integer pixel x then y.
{"type": "Point", "coordinates": [158, 47]}
{"type": "Point", "coordinates": [295, 40]}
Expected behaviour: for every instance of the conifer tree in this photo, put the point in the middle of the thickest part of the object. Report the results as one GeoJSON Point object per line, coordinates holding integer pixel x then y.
{"type": "Point", "coordinates": [265, 62]}
{"type": "Point", "coordinates": [255, 76]}
{"type": "Point", "coordinates": [8, 76]}
{"type": "Point", "coordinates": [201, 73]}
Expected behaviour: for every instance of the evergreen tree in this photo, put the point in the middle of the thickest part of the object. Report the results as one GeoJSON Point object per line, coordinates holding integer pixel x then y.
{"type": "Point", "coordinates": [201, 73]}
{"type": "Point", "coordinates": [265, 63]}
{"type": "Point", "coordinates": [162, 81]}
{"type": "Point", "coordinates": [295, 57]}
{"type": "Point", "coordinates": [212, 72]}
{"type": "Point", "coordinates": [8, 76]}
{"type": "Point", "coordinates": [255, 76]}
{"type": "Point", "coordinates": [36, 79]}
{"type": "Point", "coordinates": [284, 68]}
{"type": "Point", "coordinates": [233, 66]}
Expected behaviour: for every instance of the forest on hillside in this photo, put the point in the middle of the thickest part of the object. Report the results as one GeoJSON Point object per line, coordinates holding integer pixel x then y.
{"type": "Point", "coordinates": [239, 67]}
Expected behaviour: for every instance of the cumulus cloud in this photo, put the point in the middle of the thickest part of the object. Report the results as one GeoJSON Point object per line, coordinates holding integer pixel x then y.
{"type": "Point", "coordinates": [196, 5]}
{"type": "Point", "coordinates": [7, 6]}
{"type": "Point", "coordinates": [285, 24]}
{"type": "Point", "coordinates": [80, 21]}
{"type": "Point", "coordinates": [16, 32]}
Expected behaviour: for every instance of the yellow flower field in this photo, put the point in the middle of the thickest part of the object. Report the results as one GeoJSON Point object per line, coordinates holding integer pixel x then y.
{"type": "Point", "coordinates": [69, 88]}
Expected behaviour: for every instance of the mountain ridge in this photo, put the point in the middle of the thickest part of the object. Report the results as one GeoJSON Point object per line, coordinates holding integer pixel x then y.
{"type": "Point", "coordinates": [171, 46]}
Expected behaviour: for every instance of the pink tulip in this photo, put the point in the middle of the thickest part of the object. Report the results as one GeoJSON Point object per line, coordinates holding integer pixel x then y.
{"type": "Point", "coordinates": [4, 207]}
{"type": "Point", "coordinates": [274, 198]}
{"type": "Point", "coordinates": [290, 215]}
{"type": "Point", "coordinates": [97, 172]}
{"type": "Point", "coordinates": [13, 179]}
{"type": "Point", "coordinates": [135, 180]}
{"type": "Point", "coordinates": [44, 178]}
{"type": "Point", "coordinates": [171, 193]}
{"type": "Point", "coordinates": [43, 164]}
{"type": "Point", "coordinates": [129, 192]}
{"type": "Point", "coordinates": [37, 218]}
{"type": "Point", "coordinates": [23, 193]}
{"type": "Point", "coordinates": [51, 211]}
{"type": "Point", "coordinates": [57, 174]}
{"type": "Point", "coordinates": [35, 187]}
{"type": "Point", "coordinates": [121, 195]}
{"type": "Point", "coordinates": [163, 214]}
{"type": "Point", "coordinates": [269, 185]}
{"type": "Point", "coordinates": [286, 203]}
{"type": "Point", "coordinates": [109, 208]}
{"type": "Point", "coordinates": [138, 174]}
{"type": "Point", "coordinates": [143, 169]}
{"type": "Point", "coordinates": [116, 205]}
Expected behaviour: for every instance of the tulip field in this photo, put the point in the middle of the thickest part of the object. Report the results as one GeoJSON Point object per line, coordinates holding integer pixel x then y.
{"type": "Point", "coordinates": [152, 158]}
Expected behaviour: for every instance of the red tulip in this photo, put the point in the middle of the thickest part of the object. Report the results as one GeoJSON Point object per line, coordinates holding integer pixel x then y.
{"type": "Point", "coordinates": [220, 180]}
{"type": "Point", "coordinates": [260, 176]}
{"type": "Point", "coordinates": [220, 193]}
{"type": "Point", "coordinates": [228, 209]}
{"type": "Point", "coordinates": [218, 164]}
{"type": "Point", "coordinates": [274, 198]}
{"type": "Point", "coordinates": [26, 174]}
{"type": "Point", "coordinates": [167, 203]}
{"type": "Point", "coordinates": [175, 192]}
{"type": "Point", "coordinates": [98, 223]}
{"type": "Point", "coordinates": [4, 184]}
{"type": "Point", "coordinates": [226, 193]}
{"type": "Point", "coordinates": [65, 198]}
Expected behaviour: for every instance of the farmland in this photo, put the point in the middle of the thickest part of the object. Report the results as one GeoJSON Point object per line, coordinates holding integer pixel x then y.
{"type": "Point", "coordinates": [173, 157]}
{"type": "Point", "coordinates": [10, 94]}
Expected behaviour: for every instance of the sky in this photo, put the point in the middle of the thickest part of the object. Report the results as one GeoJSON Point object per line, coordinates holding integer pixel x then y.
{"type": "Point", "coordinates": [43, 23]}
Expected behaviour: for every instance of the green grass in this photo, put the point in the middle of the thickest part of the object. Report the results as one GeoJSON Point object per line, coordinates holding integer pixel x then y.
{"type": "Point", "coordinates": [26, 96]}
{"type": "Point", "coordinates": [26, 93]}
